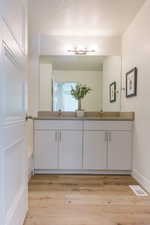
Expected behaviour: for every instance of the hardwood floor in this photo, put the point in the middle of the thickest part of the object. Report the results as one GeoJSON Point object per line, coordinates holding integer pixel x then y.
{"type": "Point", "coordinates": [85, 200]}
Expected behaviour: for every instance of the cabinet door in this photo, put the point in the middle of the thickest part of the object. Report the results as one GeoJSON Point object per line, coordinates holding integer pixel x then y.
{"type": "Point", "coordinates": [70, 152]}
{"type": "Point", "coordinates": [119, 150]}
{"type": "Point", "coordinates": [95, 150]}
{"type": "Point", "coordinates": [46, 149]}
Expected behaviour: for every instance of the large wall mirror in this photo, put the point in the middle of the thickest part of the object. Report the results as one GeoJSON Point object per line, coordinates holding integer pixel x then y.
{"type": "Point", "coordinates": [58, 74]}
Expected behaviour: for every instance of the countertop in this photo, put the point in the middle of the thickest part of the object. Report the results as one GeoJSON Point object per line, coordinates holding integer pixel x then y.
{"type": "Point", "coordinates": [84, 118]}
{"type": "Point", "coordinates": [106, 116]}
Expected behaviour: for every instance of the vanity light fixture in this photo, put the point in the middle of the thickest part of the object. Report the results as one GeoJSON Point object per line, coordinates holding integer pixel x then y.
{"type": "Point", "coordinates": [81, 51]}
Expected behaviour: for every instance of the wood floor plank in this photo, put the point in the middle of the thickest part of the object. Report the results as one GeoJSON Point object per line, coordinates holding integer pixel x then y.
{"type": "Point", "coordinates": [85, 200]}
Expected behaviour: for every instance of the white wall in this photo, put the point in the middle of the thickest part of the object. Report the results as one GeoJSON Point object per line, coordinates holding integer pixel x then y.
{"type": "Point", "coordinates": [33, 87]}
{"type": "Point", "coordinates": [111, 73]}
{"type": "Point", "coordinates": [136, 52]}
{"type": "Point", "coordinates": [92, 102]}
{"type": "Point", "coordinates": [34, 46]}
{"type": "Point", "coordinates": [45, 101]}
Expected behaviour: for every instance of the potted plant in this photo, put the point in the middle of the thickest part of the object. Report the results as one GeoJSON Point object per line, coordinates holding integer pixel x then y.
{"type": "Point", "coordinates": [79, 92]}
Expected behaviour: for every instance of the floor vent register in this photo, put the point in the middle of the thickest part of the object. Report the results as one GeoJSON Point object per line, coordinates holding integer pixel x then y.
{"type": "Point", "coordinates": [138, 190]}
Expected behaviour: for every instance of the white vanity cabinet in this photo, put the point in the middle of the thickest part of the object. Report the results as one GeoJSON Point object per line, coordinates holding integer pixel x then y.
{"type": "Point", "coordinates": [46, 149]}
{"type": "Point", "coordinates": [108, 145]}
{"type": "Point", "coordinates": [83, 145]}
{"type": "Point", "coordinates": [95, 150]}
{"type": "Point", "coordinates": [58, 144]}
{"type": "Point", "coordinates": [70, 149]}
{"type": "Point", "coordinates": [120, 150]}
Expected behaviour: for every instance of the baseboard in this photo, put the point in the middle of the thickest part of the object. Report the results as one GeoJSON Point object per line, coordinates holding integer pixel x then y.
{"type": "Point", "coordinates": [61, 171]}
{"type": "Point", "coordinates": [143, 181]}
{"type": "Point", "coordinates": [17, 213]}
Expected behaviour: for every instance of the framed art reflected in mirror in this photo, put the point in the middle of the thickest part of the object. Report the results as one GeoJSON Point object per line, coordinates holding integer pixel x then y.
{"type": "Point", "coordinates": [112, 92]}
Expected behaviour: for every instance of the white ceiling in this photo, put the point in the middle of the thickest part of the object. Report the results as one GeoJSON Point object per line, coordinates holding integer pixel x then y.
{"type": "Point", "coordinates": [82, 17]}
{"type": "Point", "coordinates": [82, 63]}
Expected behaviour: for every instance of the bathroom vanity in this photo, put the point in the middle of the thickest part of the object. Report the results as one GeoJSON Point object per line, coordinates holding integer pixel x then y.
{"type": "Point", "coordinates": [83, 145]}
{"type": "Point", "coordinates": [95, 143]}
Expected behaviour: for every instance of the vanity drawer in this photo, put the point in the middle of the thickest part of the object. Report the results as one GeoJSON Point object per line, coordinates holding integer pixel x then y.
{"type": "Point", "coordinates": [108, 125]}
{"type": "Point", "coordinates": [58, 124]}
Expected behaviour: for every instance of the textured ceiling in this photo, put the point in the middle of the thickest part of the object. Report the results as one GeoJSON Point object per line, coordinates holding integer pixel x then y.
{"type": "Point", "coordinates": [82, 17]}
{"type": "Point", "coordinates": [82, 63]}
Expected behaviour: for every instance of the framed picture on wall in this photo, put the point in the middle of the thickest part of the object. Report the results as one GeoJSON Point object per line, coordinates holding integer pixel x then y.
{"type": "Point", "coordinates": [112, 92]}
{"type": "Point", "coordinates": [131, 83]}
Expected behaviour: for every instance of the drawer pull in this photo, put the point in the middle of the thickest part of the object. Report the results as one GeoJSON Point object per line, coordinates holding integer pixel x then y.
{"type": "Point", "coordinates": [106, 137]}
{"type": "Point", "coordinates": [60, 136]}
{"type": "Point", "coordinates": [109, 137]}
{"type": "Point", "coordinates": [56, 136]}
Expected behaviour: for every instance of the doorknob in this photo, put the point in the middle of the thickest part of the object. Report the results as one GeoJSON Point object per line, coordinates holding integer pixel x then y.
{"type": "Point", "coordinates": [28, 117]}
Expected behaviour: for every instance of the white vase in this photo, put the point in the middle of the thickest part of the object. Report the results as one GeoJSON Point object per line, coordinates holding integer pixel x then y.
{"type": "Point", "coordinates": [80, 113]}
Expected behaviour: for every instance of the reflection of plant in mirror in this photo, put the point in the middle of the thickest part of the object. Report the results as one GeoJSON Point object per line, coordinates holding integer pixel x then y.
{"type": "Point", "coordinates": [79, 92]}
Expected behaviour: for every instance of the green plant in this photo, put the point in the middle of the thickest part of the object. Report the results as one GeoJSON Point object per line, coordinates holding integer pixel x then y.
{"type": "Point", "coordinates": [79, 92]}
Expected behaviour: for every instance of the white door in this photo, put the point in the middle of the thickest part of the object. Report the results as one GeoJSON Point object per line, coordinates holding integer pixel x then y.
{"type": "Point", "coordinates": [46, 149]}
{"type": "Point", "coordinates": [13, 147]}
{"type": "Point", "coordinates": [119, 150]}
{"type": "Point", "coordinates": [95, 150]}
{"type": "Point", "coordinates": [70, 149]}
{"type": "Point", "coordinates": [14, 15]}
